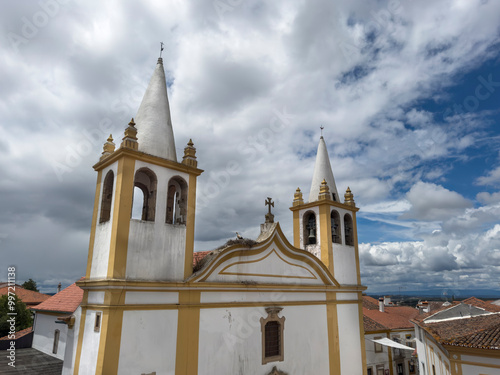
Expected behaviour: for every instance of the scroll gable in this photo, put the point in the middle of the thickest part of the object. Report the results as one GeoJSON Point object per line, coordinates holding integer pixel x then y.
{"type": "Point", "coordinates": [273, 261]}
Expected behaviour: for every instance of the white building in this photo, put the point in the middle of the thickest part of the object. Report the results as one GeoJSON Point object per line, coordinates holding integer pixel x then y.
{"type": "Point", "coordinates": [461, 339]}
{"type": "Point", "coordinates": [252, 307]}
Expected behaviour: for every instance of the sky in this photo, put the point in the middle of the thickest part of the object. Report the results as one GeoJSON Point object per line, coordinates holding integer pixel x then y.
{"type": "Point", "coordinates": [408, 93]}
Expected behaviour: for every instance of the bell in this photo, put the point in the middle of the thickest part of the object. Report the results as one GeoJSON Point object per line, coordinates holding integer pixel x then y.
{"type": "Point", "coordinates": [311, 234]}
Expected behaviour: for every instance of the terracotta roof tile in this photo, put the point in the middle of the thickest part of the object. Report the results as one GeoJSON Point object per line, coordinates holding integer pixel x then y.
{"type": "Point", "coordinates": [371, 325]}
{"type": "Point", "coordinates": [29, 297]}
{"type": "Point", "coordinates": [393, 317]}
{"type": "Point", "coordinates": [66, 301]}
{"type": "Point", "coordinates": [482, 304]}
{"type": "Point", "coordinates": [18, 334]}
{"type": "Point", "coordinates": [476, 332]}
{"type": "Point", "coordinates": [370, 303]}
{"type": "Point", "coordinates": [199, 255]}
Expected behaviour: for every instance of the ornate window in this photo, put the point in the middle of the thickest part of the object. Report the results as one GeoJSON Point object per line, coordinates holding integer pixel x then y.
{"type": "Point", "coordinates": [107, 195]}
{"type": "Point", "coordinates": [335, 221]}
{"type": "Point", "coordinates": [146, 181]}
{"type": "Point", "coordinates": [309, 231]}
{"type": "Point", "coordinates": [348, 230]}
{"type": "Point", "coordinates": [176, 201]}
{"type": "Point", "coordinates": [272, 335]}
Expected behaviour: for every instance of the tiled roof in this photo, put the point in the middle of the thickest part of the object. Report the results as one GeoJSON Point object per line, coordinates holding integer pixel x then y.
{"type": "Point", "coordinates": [371, 325]}
{"type": "Point", "coordinates": [482, 304]}
{"type": "Point", "coordinates": [18, 334]}
{"type": "Point", "coordinates": [199, 255]}
{"type": "Point", "coordinates": [66, 301]}
{"type": "Point", "coordinates": [393, 317]}
{"type": "Point", "coordinates": [476, 332]}
{"type": "Point", "coordinates": [370, 303]}
{"type": "Point", "coordinates": [29, 297]}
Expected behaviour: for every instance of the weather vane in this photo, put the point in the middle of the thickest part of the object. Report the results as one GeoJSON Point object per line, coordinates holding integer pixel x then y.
{"type": "Point", "coordinates": [321, 127]}
{"type": "Point", "coordinates": [161, 48]}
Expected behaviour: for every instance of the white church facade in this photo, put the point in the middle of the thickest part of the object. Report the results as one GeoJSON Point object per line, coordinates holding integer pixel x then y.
{"type": "Point", "coordinates": [251, 307]}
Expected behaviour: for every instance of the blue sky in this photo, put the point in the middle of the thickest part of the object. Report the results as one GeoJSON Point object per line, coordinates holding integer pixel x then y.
{"type": "Point", "coordinates": [401, 87]}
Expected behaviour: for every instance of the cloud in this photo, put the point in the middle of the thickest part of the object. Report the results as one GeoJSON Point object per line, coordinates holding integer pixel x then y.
{"type": "Point", "coordinates": [488, 198]}
{"type": "Point", "coordinates": [492, 178]}
{"type": "Point", "coordinates": [433, 202]}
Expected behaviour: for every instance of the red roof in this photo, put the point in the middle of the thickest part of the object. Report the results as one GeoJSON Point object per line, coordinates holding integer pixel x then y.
{"type": "Point", "coordinates": [393, 317]}
{"type": "Point", "coordinates": [29, 297]}
{"type": "Point", "coordinates": [199, 255]}
{"type": "Point", "coordinates": [482, 304]}
{"type": "Point", "coordinates": [370, 303]}
{"type": "Point", "coordinates": [18, 334]}
{"type": "Point", "coordinates": [66, 301]}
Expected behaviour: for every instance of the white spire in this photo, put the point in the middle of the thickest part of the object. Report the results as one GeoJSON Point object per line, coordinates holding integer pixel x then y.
{"type": "Point", "coordinates": [154, 126]}
{"type": "Point", "coordinates": [322, 170]}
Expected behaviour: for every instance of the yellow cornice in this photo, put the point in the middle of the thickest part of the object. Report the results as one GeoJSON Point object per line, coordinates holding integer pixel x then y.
{"type": "Point", "coordinates": [324, 202]}
{"type": "Point", "coordinates": [147, 158]}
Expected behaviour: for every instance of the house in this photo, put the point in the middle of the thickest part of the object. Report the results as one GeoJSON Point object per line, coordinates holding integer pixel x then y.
{"type": "Point", "coordinates": [389, 337]}
{"type": "Point", "coordinates": [50, 326]}
{"type": "Point", "coordinates": [263, 306]}
{"type": "Point", "coordinates": [29, 297]}
{"type": "Point", "coordinates": [461, 338]}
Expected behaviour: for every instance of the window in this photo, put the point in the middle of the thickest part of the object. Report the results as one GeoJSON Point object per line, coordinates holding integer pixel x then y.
{"type": "Point", "coordinates": [309, 228]}
{"type": "Point", "coordinates": [380, 369]}
{"type": "Point", "coordinates": [97, 324]}
{"type": "Point", "coordinates": [348, 230]}
{"type": "Point", "coordinates": [369, 371]}
{"type": "Point", "coordinates": [107, 195]}
{"type": "Point", "coordinates": [176, 201]}
{"type": "Point", "coordinates": [146, 181]}
{"type": "Point", "coordinates": [335, 221]}
{"type": "Point", "coordinates": [378, 347]}
{"type": "Point", "coordinates": [56, 341]}
{"type": "Point", "coordinates": [272, 336]}
{"type": "Point", "coordinates": [433, 370]}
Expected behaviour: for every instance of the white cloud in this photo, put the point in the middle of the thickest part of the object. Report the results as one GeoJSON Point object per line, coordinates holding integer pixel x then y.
{"type": "Point", "coordinates": [492, 178]}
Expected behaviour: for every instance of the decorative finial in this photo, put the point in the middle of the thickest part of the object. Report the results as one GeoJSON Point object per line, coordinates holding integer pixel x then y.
{"type": "Point", "coordinates": [269, 216]}
{"type": "Point", "coordinates": [161, 48]}
{"type": "Point", "coordinates": [189, 157]}
{"type": "Point", "coordinates": [324, 191]}
{"type": "Point", "coordinates": [349, 198]}
{"type": "Point", "coordinates": [130, 138]}
{"type": "Point", "coordinates": [297, 198]}
{"type": "Point", "coordinates": [321, 127]}
{"type": "Point", "coordinates": [108, 148]}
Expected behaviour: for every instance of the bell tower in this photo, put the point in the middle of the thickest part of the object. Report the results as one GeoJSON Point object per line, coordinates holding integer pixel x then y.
{"type": "Point", "coordinates": [158, 246]}
{"type": "Point", "coordinates": [324, 225]}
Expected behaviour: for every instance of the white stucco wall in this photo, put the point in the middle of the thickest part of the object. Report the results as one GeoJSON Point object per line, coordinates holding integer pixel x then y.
{"type": "Point", "coordinates": [376, 358]}
{"type": "Point", "coordinates": [153, 298]}
{"type": "Point", "coordinates": [156, 250]}
{"type": "Point", "coordinates": [71, 344]}
{"type": "Point", "coordinates": [90, 345]}
{"type": "Point", "coordinates": [43, 338]}
{"type": "Point", "coordinates": [148, 342]}
{"type": "Point", "coordinates": [231, 341]}
{"type": "Point", "coordinates": [271, 297]}
{"type": "Point", "coordinates": [349, 339]}
{"type": "Point", "coordinates": [102, 239]}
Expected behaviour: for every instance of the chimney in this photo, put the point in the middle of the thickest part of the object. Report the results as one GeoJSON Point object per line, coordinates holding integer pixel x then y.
{"type": "Point", "coordinates": [426, 306]}
{"type": "Point", "coordinates": [387, 300]}
{"type": "Point", "coordinates": [381, 304]}
{"type": "Point", "coordinates": [59, 288]}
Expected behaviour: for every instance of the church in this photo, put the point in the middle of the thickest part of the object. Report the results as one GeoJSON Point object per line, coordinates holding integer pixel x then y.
{"type": "Point", "coordinates": [263, 306]}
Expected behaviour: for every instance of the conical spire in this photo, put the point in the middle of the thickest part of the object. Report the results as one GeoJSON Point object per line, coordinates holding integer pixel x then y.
{"type": "Point", "coordinates": [153, 123]}
{"type": "Point", "coordinates": [322, 171]}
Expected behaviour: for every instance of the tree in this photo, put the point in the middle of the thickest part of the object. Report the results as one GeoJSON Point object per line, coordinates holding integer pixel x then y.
{"type": "Point", "coordinates": [30, 285]}
{"type": "Point", "coordinates": [22, 318]}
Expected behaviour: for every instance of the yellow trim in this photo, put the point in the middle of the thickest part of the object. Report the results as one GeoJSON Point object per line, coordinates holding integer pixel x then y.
{"type": "Point", "coordinates": [191, 214]}
{"type": "Point", "coordinates": [221, 272]}
{"type": "Point", "coordinates": [326, 238]}
{"type": "Point", "coordinates": [333, 335]}
{"type": "Point", "coordinates": [356, 249]}
{"type": "Point", "coordinates": [188, 330]}
{"type": "Point", "coordinates": [326, 202]}
{"type": "Point", "coordinates": [389, 351]}
{"type": "Point", "coordinates": [121, 218]}
{"type": "Point", "coordinates": [137, 155]}
{"type": "Point", "coordinates": [94, 223]}
{"type": "Point", "coordinates": [362, 332]}
{"type": "Point", "coordinates": [296, 229]}
{"type": "Point", "coordinates": [81, 330]}
{"type": "Point", "coordinates": [111, 331]}
{"type": "Point", "coordinates": [281, 243]}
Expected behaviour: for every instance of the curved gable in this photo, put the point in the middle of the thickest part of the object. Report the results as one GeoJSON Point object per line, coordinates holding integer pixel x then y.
{"type": "Point", "coordinates": [273, 261]}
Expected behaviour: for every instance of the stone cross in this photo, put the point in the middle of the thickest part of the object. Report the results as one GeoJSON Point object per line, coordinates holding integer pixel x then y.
{"type": "Point", "coordinates": [269, 216]}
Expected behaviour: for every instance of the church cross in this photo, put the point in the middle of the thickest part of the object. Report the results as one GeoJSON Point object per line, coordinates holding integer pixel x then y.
{"type": "Point", "coordinates": [269, 203]}
{"type": "Point", "coordinates": [161, 48]}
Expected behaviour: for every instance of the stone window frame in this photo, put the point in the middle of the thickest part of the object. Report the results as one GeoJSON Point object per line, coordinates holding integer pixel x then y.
{"type": "Point", "coordinates": [272, 316]}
